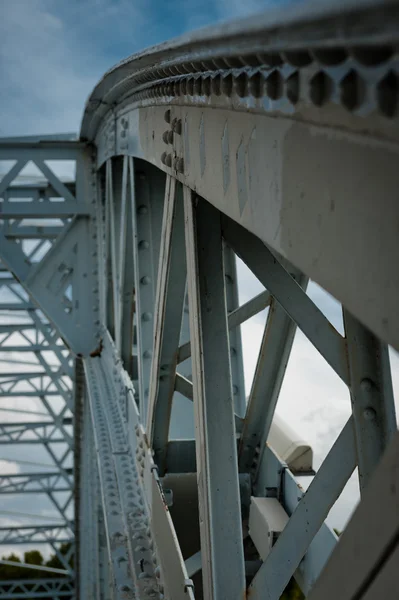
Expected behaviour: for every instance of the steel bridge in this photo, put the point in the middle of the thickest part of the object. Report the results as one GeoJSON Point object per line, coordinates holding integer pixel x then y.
{"type": "Point", "coordinates": [275, 140]}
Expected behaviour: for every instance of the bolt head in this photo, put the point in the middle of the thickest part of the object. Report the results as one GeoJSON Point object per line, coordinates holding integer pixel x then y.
{"type": "Point", "coordinates": [369, 414]}
{"type": "Point", "coordinates": [366, 385]}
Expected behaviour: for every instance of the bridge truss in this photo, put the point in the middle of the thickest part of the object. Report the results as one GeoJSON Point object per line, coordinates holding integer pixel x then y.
{"type": "Point", "coordinates": [273, 140]}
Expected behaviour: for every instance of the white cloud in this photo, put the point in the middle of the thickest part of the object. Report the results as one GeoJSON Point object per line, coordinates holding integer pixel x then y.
{"type": "Point", "coordinates": [44, 80]}
{"type": "Point", "coordinates": [313, 400]}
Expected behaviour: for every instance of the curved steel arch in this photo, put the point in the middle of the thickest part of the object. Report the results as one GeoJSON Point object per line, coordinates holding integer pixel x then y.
{"type": "Point", "coordinates": [320, 78]}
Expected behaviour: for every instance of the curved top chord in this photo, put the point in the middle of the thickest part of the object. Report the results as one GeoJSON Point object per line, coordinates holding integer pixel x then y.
{"type": "Point", "coordinates": [253, 57]}
{"type": "Point", "coordinates": [324, 78]}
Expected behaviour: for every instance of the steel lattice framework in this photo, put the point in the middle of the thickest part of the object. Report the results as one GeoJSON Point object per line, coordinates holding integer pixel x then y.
{"type": "Point", "coordinates": [274, 140]}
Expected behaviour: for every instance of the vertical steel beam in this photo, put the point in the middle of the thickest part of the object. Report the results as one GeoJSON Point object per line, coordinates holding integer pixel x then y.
{"type": "Point", "coordinates": [147, 188]}
{"type": "Point", "coordinates": [371, 395]}
{"type": "Point", "coordinates": [111, 247]}
{"type": "Point", "coordinates": [117, 208]}
{"type": "Point", "coordinates": [127, 274]}
{"type": "Point", "coordinates": [218, 487]}
{"type": "Point", "coordinates": [168, 321]}
{"type": "Point", "coordinates": [232, 303]}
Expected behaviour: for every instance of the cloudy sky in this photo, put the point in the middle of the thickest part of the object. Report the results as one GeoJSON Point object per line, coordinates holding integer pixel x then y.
{"type": "Point", "coordinates": [52, 53]}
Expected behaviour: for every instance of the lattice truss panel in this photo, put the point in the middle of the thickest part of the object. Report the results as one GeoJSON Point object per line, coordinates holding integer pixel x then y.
{"type": "Point", "coordinates": [171, 370]}
{"type": "Point", "coordinates": [54, 589]}
{"type": "Point", "coordinates": [40, 254]}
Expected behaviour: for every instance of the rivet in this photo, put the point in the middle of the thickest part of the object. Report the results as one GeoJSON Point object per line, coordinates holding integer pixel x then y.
{"type": "Point", "coordinates": [227, 85]}
{"type": "Point", "coordinates": [145, 280]}
{"type": "Point", "coordinates": [216, 85]}
{"type": "Point", "coordinates": [366, 385]}
{"type": "Point", "coordinates": [177, 126]}
{"type": "Point", "coordinates": [147, 316]}
{"type": "Point", "coordinates": [144, 245]}
{"type": "Point", "coordinates": [167, 116]}
{"type": "Point", "coordinates": [165, 137]}
{"type": "Point", "coordinates": [144, 575]}
{"type": "Point", "coordinates": [179, 165]}
{"type": "Point", "coordinates": [190, 86]}
{"type": "Point", "coordinates": [147, 354]}
{"type": "Point", "coordinates": [369, 414]}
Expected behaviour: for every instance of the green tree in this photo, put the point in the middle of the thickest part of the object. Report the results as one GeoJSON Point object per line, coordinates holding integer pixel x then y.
{"type": "Point", "coordinates": [292, 591]}
{"type": "Point", "coordinates": [8, 571]}
{"type": "Point", "coordinates": [33, 557]}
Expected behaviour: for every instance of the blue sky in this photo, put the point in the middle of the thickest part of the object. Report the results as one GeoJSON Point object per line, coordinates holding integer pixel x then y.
{"type": "Point", "coordinates": [52, 52]}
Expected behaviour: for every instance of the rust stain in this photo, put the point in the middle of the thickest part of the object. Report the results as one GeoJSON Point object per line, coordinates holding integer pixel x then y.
{"type": "Point", "coordinates": [98, 350]}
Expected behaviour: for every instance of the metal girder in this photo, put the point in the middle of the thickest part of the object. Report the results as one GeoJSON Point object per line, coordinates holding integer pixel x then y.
{"type": "Point", "coordinates": [41, 568]}
{"type": "Point", "coordinates": [52, 536]}
{"type": "Point", "coordinates": [276, 94]}
{"type": "Point", "coordinates": [338, 466]}
{"type": "Point", "coordinates": [289, 306]}
{"type": "Point", "coordinates": [234, 319]}
{"type": "Point", "coordinates": [67, 264]}
{"type": "Point", "coordinates": [371, 394]}
{"type": "Point", "coordinates": [283, 286]}
{"type": "Point", "coordinates": [32, 348]}
{"type": "Point", "coordinates": [148, 189]}
{"type": "Point", "coordinates": [29, 394]}
{"type": "Point", "coordinates": [54, 589]}
{"type": "Point", "coordinates": [35, 432]}
{"type": "Point", "coordinates": [168, 321]}
{"type": "Point", "coordinates": [35, 483]}
{"type": "Point", "coordinates": [36, 534]}
{"type": "Point", "coordinates": [130, 489]}
{"type": "Point", "coordinates": [60, 282]}
{"type": "Point", "coordinates": [219, 498]}
{"type": "Point", "coordinates": [371, 550]}
{"type": "Point", "coordinates": [36, 219]}
{"type": "Point", "coordinates": [32, 233]}
{"type": "Point", "coordinates": [289, 301]}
